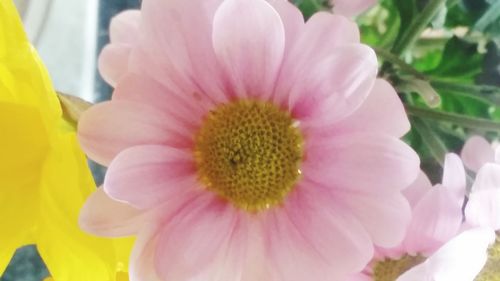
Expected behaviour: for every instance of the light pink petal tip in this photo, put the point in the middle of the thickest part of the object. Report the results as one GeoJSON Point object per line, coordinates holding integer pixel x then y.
{"type": "Point", "coordinates": [110, 127]}
{"type": "Point", "coordinates": [113, 62]}
{"type": "Point", "coordinates": [483, 207]}
{"type": "Point", "coordinates": [476, 152]}
{"type": "Point", "coordinates": [436, 218]}
{"type": "Point", "coordinates": [249, 41]}
{"type": "Point", "coordinates": [461, 259]}
{"type": "Point", "coordinates": [311, 43]}
{"type": "Point", "coordinates": [176, 42]}
{"type": "Point", "coordinates": [352, 7]}
{"type": "Point", "coordinates": [454, 174]}
{"type": "Point", "coordinates": [292, 18]}
{"type": "Point", "coordinates": [145, 176]}
{"type": "Point", "coordinates": [381, 112]}
{"type": "Point", "coordinates": [334, 88]}
{"type": "Point", "coordinates": [104, 216]}
{"type": "Point", "coordinates": [124, 27]}
{"type": "Point", "coordinates": [417, 189]}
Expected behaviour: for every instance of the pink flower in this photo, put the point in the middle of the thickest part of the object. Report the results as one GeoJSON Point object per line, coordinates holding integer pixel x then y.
{"type": "Point", "coordinates": [461, 259]}
{"type": "Point", "coordinates": [244, 144]}
{"type": "Point", "coordinates": [483, 207]}
{"type": "Point", "coordinates": [351, 7]}
{"type": "Point", "coordinates": [436, 218]}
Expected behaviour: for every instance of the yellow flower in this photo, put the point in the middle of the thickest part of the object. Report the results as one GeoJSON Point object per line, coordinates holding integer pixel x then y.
{"type": "Point", "coordinates": [44, 178]}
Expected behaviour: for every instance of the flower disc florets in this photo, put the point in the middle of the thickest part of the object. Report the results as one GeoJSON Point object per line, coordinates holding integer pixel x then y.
{"type": "Point", "coordinates": [249, 152]}
{"type": "Point", "coordinates": [390, 270]}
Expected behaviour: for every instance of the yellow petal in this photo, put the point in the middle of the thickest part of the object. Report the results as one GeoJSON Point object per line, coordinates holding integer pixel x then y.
{"type": "Point", "coordinates": [5, 255]}
{"type": "Point", "coordinates": [23, 149]}
{"type": "Point", "coordinates": [44, 178]}
{"type": "Point", "coordinates": [123, 248]}
{"type": "Point", "coordinates": [23, 78]}
{"type": "Point", "coordinates": [122, 276]}
{"type": "Point", "coordinates": [70, 254]}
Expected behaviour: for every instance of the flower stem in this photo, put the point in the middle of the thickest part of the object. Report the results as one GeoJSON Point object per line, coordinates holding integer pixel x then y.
{"type": "Point", "coordinates": [436, 147]}
{"type": "Point", "coordinates": [73, 107]}
{"type": "Point", "coordinates": [416, 27]}
{"type": "Point", "coordinates": [396, 61]}
{"type": "Point", "coordinates": [461, 120]}
{"type": "Point", "coordinates": [485, 93]}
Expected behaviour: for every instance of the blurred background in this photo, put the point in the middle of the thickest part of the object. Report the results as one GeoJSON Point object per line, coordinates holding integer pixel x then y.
{"type": "Point", "coordinates": [68, 34]}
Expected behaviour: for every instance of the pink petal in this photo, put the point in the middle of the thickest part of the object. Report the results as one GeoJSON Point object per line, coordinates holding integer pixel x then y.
{"type": "Point", "coordinates": [360, 277]}
{"type": "Point", "coordinates": [322, 33]}
{"type": "Point", "coordinates": [309, 238]}
{"type": "Point", "coordinates": [176, 46]}
{"type": "Point", "coordinates": [335, 87]}
{"type": "Point", "coordinates": [476, 152]}
{"type": "Point", "coordinates": [417, 190]}
{"type": "Point", "coordinates": [483, 207]}
{"type": "Point", "coordinates": [461, 259]}
{"type": "Point", "coordinates": [311, 44]}
{"type": "Point", "coordinates": [104, 216]}
{"type": "Point", "coordinates": [293, 21]}
{"type": "Point", "coordinates": [381, 112]}
{"type": "Point", "coordinates": [497, 154]}
{"type": "Point", "coordinates": [487, 178]}
{"type": "Point", "coordinates": [145, 176]}
{"type": "Point", "coordinates": [145, 90]}
{"type": "Point", "coordinates": [454, 174]}
{"type": "Point", "coordinates": [249, 41]}
{"type": "Point", "coordinates": [436, 218]}
{"type": "Point", "coordinates": [113, 62]}
{"type": "Point", "coordinates": [352, 7]}
{"type": "Point", "coordinates": [384, 216]}
{"type": "Point", "coordinates": [203, 241]}
{"type": "Point", "coordinates": [142, 257]}
{"type": "Point", "coordinates": [257, 261]}
{"type": "Point", "coordinates": [124, 27]}
{"type": "Point", "coordinates": [362, 162]}
{"type": "Point", "coordinates": [110, 127]}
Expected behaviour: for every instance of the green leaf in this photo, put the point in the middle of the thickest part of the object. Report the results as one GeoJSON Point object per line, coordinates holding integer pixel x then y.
{"type": "Point", "coordinates": [310, 7]}
{"type": "Point", "coordinates": [491, 71]}
{"type": "Point", "coordinates": [490, 20]}
{"type": "Point", "coordinates": [460, 62]}
{"type": "Point", "coordinates": [380, 26]}
{"type": "Point", "coordinates": [466, 13]}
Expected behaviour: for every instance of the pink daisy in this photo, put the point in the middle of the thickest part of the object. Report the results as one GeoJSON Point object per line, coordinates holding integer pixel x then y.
{"type": "Point", "coordinates": [244, 144]}
{"type": "Point", "coordinates": [351, 7]}
{"type": "Point", "coordinates": [436, 218]}
{"type": "Point", "coordinates": [460, 259]}
{"type": "Point", "coordinates": [474, 254]}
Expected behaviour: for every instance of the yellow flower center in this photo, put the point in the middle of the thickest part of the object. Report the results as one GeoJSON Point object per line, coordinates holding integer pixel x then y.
{"type": "Point", "coordinates": [249, 152]}
{"type": "Point", "coordinates": [491, 270]}
{"type": "Point", "coordinates": [390, 270]}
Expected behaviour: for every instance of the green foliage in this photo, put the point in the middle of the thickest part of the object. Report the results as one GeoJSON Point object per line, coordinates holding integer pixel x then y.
{"type": "Point", "coordinates": [460, 62]}
{"type": "Point", "coordinates": [453, 58]}
{"type": "Point", "coordinates": [454, 46]}
{"type": "Point", "coordinates": [309, 7]}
